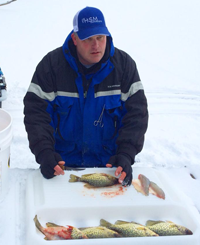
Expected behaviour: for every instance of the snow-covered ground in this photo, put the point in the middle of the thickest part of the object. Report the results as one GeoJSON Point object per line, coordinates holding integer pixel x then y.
{"type": "Point", "coordinates": [161, 36]}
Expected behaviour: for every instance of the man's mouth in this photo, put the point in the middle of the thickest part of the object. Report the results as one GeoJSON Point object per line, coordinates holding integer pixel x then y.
{"type": "Point", "coordinates": [95, 52]}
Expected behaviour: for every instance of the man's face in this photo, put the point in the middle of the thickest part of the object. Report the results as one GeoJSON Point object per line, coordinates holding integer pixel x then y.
{"type": "Point", "coordinates": [91, 50]}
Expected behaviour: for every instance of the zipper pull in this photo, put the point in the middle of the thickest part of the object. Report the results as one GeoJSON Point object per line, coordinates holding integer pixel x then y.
{"type": "Point", "coordinates": [115, 121]}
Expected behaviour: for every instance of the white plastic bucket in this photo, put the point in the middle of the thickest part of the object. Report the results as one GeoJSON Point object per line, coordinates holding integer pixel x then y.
{"type": "Point", "coordinates": [5, 141]}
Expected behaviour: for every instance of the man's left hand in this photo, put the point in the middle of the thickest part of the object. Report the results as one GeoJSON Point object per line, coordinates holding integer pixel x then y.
{"type": "Point", "coordinates": [123, 164]}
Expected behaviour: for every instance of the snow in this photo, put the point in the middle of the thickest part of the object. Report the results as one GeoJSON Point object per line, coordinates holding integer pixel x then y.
{"type": "Point", "coordinates": [161, 36]}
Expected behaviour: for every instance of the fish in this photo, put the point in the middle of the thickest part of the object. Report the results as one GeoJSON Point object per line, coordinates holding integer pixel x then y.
{"type": "Point", "coordinates": [95, 179]}
{"type": "Point", "coordinates": [167, 228]}
{"type": "Point", "coordinates": [142, 184]}
{"type": "Point", "coordinates": [56, 232]}
{"type": "Point", "coordinates": [156, 190]}
{"type": "Point", "coordinates": [128, 229]}
{"type": "Point", "coordinates": [145, 186]}
{"type": "Point", "coordinates": [99, 232]}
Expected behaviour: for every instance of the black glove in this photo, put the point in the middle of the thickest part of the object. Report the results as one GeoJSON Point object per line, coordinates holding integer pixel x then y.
{"type": "Point", "coordinates": [48, 159]}
{"type": "Point", "coordinates": [124, 161]}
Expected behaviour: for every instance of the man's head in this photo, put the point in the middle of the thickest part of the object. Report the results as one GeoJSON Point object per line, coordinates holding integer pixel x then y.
{"type": "Point", "coordinates": [89, 22]}
{"type": "Point", "coordinates": [89, 35]}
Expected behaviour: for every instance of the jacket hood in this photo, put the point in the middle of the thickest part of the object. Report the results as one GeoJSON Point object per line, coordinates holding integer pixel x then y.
{"type": "Point", "coordinates": [72, 59]}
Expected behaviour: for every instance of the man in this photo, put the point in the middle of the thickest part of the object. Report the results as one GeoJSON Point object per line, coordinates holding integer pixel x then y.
{"type": "Point", "coordinates": [86, 106]}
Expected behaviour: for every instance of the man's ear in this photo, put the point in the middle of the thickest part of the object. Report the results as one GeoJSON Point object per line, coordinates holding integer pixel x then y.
{"type": "Point", "coordinates": [73, 36]}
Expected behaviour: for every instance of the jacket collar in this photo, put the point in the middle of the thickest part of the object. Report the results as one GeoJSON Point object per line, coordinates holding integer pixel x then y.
{"type": "Point", "coordinates": [70, 54]}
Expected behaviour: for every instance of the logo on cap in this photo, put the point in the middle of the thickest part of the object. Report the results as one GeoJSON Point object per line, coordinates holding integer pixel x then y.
{"type": "Point", "coordinates": [91, 20]}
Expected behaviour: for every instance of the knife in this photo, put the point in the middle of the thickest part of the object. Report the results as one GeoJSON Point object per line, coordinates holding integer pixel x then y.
{"type": "Point", "coordinates": [70, 168]}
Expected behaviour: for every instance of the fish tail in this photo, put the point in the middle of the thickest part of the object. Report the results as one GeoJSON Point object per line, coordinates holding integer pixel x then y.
{"type": "Point", "coordinates": [74, 178]}
{"type": "Point", "coordinates": [105, 223]}
{"type": "Point", "coordinates": [37, 224]}
{"type": "Point", "coordinates": [49, 224]}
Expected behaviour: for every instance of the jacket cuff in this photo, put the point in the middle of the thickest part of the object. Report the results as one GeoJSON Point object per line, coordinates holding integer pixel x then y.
{"type": "Point", "coordinates": [127, 149]}
{"type": "Point", "coordinates": [40, 146]}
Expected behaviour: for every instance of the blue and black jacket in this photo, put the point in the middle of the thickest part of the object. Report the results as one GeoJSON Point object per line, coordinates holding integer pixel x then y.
{"type": "Point", "coordinates": [86, 115]}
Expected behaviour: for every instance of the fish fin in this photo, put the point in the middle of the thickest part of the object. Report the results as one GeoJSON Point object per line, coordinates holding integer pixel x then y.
{"type": "Point", "coordinates": [87, 185]}
{"type": "Point", "coordinates": [173, 225]}
{"type": "Point", "coordinates": [121, 222]}
{"type": "Point", "coordinates": [156, 190]}
{"type": "Point", "coordinates": [38, 225]}
{"type": "Point", "coordinates": [49, 224]}
{"type": "Point", "coordinates": [47, 239]}
{"type": "Point", "coordinates": [95, 227]}
{"type": "Point", "coordinates": [105, 223]}
{"type": "Point", "coordinates": [133, 222]}
{"type": "Point", "coordinates": [102, 228]}
{"type": "Point", "coordinates": [86, 175]}
{"type": "Point", "coordinates": [141, 228]}
{"type": "Point", "coordinates": [168, 221]}
{"type": "Point", "coordinates": [89, 227]}
{"type": "Point", "coordinates": [82, 228]}
{"type": "Point", "coordinates": [74, 178]}
{"type": "Point", "coordinates": [152, 222]}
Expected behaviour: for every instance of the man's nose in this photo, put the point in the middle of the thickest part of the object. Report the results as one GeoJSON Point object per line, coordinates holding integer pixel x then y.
{"type": "Point", "coordinates": [95, 43]}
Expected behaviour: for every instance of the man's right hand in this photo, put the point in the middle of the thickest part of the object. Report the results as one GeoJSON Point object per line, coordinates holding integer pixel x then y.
{"type": "Point", "coordinates": [49, 163]}
{"type": "Point", "coordinates": [123, 164]}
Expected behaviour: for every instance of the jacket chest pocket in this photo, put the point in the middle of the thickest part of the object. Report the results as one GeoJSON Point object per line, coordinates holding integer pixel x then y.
{"type": "Point", "coordinates": [64, 122]}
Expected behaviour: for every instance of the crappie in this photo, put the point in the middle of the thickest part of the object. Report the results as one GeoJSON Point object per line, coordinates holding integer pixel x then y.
{"type": "Point", "coordinates": [128, 229]}
{"type": "Point", "coordinates": [99, 232]}
{"type": "Point", "coordinates": [167, 228]}
{"type": "Point", "coordinates": [96, 179]}
{"type": "Point", "coordinates": [56, 232]}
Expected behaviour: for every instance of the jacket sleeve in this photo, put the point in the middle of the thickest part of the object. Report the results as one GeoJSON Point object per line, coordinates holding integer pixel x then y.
{"type": "Point", "coordinates": [38, 109]}
{"type": "Point", "coordinates": [135, 121]}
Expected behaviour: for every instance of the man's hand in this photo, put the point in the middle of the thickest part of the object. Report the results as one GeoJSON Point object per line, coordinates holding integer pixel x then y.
{"type": "Point", "coordinates": [50, 163]}
{"type": "Point", "coordinates": [123, 164]}
{"type": "Point", "coordinates": [58, 168]}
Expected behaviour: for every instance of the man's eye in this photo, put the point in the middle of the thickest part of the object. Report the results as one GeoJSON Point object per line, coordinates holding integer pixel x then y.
{"type": "Point", "coordinates": [90, 39]}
